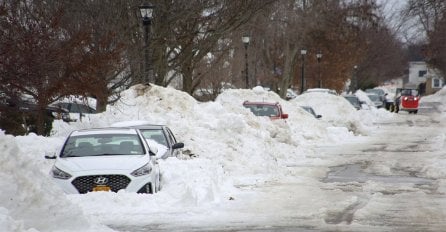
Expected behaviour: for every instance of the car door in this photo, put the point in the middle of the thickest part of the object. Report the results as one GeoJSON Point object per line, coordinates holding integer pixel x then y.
{"type": "Point", "coordinates": [172, 141]}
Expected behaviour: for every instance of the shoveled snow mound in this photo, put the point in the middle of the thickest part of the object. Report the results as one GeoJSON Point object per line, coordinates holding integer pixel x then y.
{"type": "Point", "coordinates": [29, 201]}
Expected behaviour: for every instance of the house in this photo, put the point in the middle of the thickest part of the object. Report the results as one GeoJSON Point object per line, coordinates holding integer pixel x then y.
{"type": "Point", "coordinates": [427, 79]}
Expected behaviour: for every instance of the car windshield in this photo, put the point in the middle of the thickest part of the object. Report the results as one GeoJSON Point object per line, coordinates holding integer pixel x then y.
{"type": "Point", "coordinates": [309, 110]}
{"type": "Point", "coordinates": [409, 92]}
{"type": "Point", "coordinates": [155, 134]}
{"type": "Point", "coordinates": [263, 110]}
{"type": "Point", "coordinates": [103, 144]}
{"type": "Point", "coordinates": [353, 100]}
{"type": "Point", "coordinates": [373, 97]}
{"type": "Point", "coordinates": [77, 108]}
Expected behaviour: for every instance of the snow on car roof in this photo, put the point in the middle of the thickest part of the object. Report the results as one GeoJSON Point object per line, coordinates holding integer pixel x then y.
{"type": "Point", "coordinates": [259, 103]}
{"type": "Point", "coordinates": [104, 131]}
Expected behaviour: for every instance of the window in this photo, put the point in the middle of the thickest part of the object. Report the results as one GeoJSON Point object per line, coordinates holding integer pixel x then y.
{"type": "Point", "coordinates": [421, 73]}
{"type": "Point", "coordinates": [155, 134]}
{"type": "Point", "coordinates": [436, 83]}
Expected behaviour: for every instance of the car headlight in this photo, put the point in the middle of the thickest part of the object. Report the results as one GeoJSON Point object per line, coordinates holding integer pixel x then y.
{"type": "Point", "coordinates": [59, 174]}
{"type": "Point", "coordinates": [144, 170]}
{"type": "Point", "coordinates": [405, 98]}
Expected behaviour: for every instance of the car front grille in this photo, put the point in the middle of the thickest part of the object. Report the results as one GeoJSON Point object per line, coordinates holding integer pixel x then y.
{"type": "Point", "coordinates": [85, 184]}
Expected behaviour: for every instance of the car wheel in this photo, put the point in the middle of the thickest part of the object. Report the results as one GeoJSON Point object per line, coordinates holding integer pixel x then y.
{"type": "Point", "coordinates": [415, 112]}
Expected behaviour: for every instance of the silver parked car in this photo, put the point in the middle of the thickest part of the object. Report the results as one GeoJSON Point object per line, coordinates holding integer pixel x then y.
{"type": "Point", "coordinates": [162, 135]}
{"type": "Point", "coordinates": [354, 100]}
{"type": "Point", "coordinates": [376, 100]}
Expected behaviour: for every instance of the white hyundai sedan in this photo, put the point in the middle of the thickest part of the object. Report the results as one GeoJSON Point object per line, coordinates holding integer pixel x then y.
{"type": "Point", "coordinates": [106, 159]}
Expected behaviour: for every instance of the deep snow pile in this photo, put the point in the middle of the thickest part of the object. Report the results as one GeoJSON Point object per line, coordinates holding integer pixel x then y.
{"type": "Point", "coordinates": [29, 200]}
{"type": "Point", "coordinates": [231, 147]}
{"type": "Point", "coordinates": [439, 98]}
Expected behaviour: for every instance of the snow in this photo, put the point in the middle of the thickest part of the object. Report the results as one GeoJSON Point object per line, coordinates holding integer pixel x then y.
{"type": "Point", "coordinates": [231, 148]}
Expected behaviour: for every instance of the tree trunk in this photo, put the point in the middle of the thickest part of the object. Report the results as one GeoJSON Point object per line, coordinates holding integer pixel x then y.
{"type": "Point", "coordinates": [288, 70]}
{"type": "Point", "coordinates": [187, 71]}
{"type": "Point", "coordinates": [101, 103]}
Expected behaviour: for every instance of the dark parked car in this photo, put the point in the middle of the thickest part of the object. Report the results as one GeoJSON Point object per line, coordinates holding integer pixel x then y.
{"type": "Point", "coordinates": [76, 107]}
{"type": "Point", "coordinates": [20, 117]}
{"type": "Point", "coordinates": [310, 110]}
{"type": "Point", "coordinates": [78, 110]}
{"type": "Point", "coordinates": [354, 100]}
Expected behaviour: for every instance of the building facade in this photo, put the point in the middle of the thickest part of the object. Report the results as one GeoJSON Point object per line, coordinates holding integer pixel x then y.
{"type": "Point", "coordinates": [423, 77]}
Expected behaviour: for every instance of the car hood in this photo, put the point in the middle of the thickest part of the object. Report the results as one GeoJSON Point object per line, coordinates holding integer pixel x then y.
{"type": "Point", "coordinates": [102, 163]}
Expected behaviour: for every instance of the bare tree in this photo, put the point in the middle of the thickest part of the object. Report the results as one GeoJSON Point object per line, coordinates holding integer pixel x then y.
{"type": "Point", "coordinates": [193, 30]}
{"type": "Point", "coordinates": [331, 27]}
{"type": "Point", "coordinates": [42, 58]}
{"type": "Point", "coordinates": [431, 15]}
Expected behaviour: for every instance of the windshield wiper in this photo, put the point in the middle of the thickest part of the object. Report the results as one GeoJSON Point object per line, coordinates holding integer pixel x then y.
{"type": "Point", "coordinates": [65, 156]}
{"type": "Point", "coordinates": [104, 154]}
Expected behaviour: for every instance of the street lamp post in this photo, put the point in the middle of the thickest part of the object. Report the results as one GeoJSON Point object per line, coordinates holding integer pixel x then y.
{"type": "Point", "coordinates": [146, 11]}
{"type": "Point", "coordinates": [319, 57]}
{"type": "Point", "coordinates": [356, 76]}
{"type": "Point", "coordinates": [245, 40]}
{"type": "Point", "coordinates": [303, 52]}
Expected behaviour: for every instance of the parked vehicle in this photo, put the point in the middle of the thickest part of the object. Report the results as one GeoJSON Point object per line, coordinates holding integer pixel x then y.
{"type": "Point", "coordinates": [310, 110]}
{"type": "Point", "coordinates": [290, 94]}
{"type": "Point", "coordinates": [406, 99]}
{"type": "Point", "coordinates": [380, 92]}
{"type": "Point", "coordinates": [76, 110]}
{"type": "Point", "coordinates": [354, 100]}
{"type": "Point", "coordinates": [376, 100]}
{"type": "Point", "coordinates": [73, 107]}
{"type": "Point", "coordinates": [106, 159]}
{"type": "Point", "coordinates": [19, 115]}
{"type": "Point", "coordinates": [268, 109]}
{"type": "Point", "coordinates": [162, 135]}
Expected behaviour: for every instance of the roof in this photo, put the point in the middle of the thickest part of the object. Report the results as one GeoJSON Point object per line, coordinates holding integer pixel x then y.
{"type": "Point", "coordinates": [107, 130]}
{"type": "Point", "coordinates": [260, 103]}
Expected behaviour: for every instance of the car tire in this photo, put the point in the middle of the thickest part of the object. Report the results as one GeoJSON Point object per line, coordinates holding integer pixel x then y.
{"type": "Point", "coordinates": [391, 108]}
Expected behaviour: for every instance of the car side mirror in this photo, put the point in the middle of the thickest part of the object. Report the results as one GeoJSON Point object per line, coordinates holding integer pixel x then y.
{"type": "Point", "coordinates": [284, 116]}
{"type": "Point", "coordinates": [50, 156]}
{"type": "Point", "coordinates": [153, 150]}
{"type": "Point", "coordinates": [177, 145]}
{"type": "Point", "coordinates": [318, 116]}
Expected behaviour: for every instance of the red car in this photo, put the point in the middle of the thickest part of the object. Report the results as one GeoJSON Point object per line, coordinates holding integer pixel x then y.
{"type": "Point", "coordinates": [406, 100]}
{"type": "Point", "coordinates": [268, 109]}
